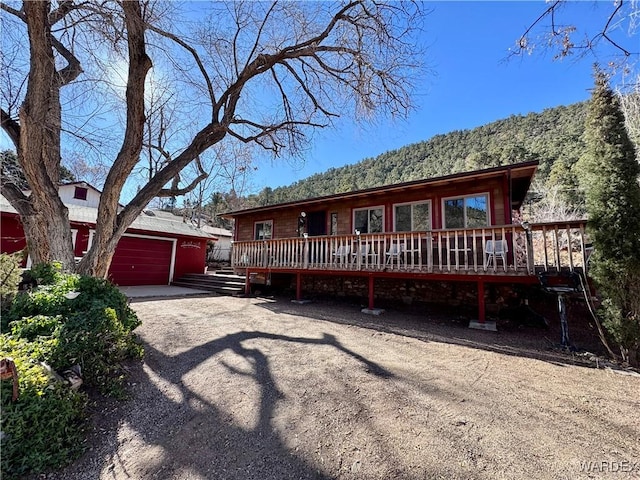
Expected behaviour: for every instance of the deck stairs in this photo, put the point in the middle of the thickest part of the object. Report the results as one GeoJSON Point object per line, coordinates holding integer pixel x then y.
{"type": "Point", "coordinates": [221, 282]}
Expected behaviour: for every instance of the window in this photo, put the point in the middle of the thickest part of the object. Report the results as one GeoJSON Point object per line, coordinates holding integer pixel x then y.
{"type": "Point", "coordinates": [466, 212]}
{"type": "Point", "coordinates": [334, 224]}
{"type": "Point", "coordinates": [263, 230]}
{"type": "Point", "coordinates": [80, 193]}
{"type": "Point", "coordinates": [369, 220]}
{"type": "Point", "coordinates": [412, 217]}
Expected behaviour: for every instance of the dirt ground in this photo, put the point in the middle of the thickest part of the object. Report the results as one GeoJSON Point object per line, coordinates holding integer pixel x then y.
{"type": "Point", "coordinates": [255, 388]}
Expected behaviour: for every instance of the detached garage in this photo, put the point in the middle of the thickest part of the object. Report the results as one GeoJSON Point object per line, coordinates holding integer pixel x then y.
{"type": "Point", "coordinates": [140, 260]}
{"type": "Point", "coordinates": [153, 251]}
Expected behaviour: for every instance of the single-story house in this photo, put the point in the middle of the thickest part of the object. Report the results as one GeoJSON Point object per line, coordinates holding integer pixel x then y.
{"type": "Point", "coordinates": [153, 251]}
{"type": "Point", "coordinates": [390, 241]}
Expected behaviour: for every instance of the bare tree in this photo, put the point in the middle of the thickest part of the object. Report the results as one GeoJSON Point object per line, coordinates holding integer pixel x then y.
{"type": "Point", "coordinates": [227, 167]}
{"type": "Point", "coordinates": [629, 95]}
{"type": "Point", "coordinates": [260, 73]}
{"type": "Point", "coordinates": [614, 43]}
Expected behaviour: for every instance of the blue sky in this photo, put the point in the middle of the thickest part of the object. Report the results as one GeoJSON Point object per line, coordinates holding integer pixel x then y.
{"type": "Point", "coordinates": [473, 83]}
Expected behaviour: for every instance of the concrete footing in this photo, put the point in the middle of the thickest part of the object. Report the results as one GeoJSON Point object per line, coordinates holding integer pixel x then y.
{"type": "Point", "coordinates": [372, 311]}
{"type": "Point", "coordinates": [489, 326]}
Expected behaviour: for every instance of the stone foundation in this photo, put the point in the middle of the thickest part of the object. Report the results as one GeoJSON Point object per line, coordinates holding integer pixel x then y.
{"type": "Point", "coordinates": [408, 292]}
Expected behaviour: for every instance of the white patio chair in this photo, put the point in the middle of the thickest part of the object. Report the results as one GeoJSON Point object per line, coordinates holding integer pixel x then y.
{"type": "Point", "coordinates": [367, 256]}
{"type": "Point", "coordinates": [365, 249]}
{"type": "Point", "coordinates": [494, 251]}
{"type": "Point", "coordinates": [342, 254]}
{"type": "Point", "coordinates": [395, 253]}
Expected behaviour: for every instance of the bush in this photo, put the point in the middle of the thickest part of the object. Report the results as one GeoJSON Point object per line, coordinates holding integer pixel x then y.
{"type": "Point", "coordinates": [47, 273]}
{"type": "Point", "coordinates": [94, 330]}
{"type": "Point", "coordinates": [9, 279]}
{"type": "Point", "coordinates": [30, 328]}
{"type": "Point", "coordinates": [45, 426]}
{"type": "Point", "coordinates": [97, 341]}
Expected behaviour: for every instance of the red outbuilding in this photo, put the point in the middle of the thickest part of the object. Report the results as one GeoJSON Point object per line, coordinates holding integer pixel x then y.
{"type": "Point", "coordinates": [154, 250]}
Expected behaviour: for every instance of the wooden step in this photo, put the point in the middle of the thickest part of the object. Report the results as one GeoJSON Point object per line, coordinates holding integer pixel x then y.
{"type": "Point", "coordinates": [224, 284]}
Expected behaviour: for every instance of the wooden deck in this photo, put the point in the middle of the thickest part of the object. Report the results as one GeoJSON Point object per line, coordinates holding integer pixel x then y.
{"type": "Point", "coordinates": [519, 252]}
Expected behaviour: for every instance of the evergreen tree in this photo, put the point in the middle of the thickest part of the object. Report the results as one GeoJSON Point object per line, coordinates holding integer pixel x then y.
{"type": "Point", "coordinates": [609, 176]}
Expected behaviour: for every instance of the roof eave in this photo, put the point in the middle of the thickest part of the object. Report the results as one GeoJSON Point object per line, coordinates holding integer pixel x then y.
{"type": "Point", "coordinates": [462, 176]}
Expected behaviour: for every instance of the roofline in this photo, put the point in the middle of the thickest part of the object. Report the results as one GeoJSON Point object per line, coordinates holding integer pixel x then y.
{"type": "Point", "coordinates": [447, 178]}
{"type": "Point", "coordinates": [130, 229]}
{"type": "Point", "coordinates": [82, 182]}
{"type": "Point", "coordinates": [79, 182]}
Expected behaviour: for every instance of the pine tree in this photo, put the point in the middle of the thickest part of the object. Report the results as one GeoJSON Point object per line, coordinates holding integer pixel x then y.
{"type": "Point", "coordinates": [608, 173]}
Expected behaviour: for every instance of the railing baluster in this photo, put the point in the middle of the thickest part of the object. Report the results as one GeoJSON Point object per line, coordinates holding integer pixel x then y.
{"type": "Point", "coordinates": [546, 254]}
{"type": "Point", "coordinates": [557, 247]}
{"type": "Point", "coordinates": [570, 248]}
{"type": "Point", "coordinates": [583, 250]}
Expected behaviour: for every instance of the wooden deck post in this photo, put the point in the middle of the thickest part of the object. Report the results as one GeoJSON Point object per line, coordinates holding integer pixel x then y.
{"type": "Point", "coordinates": [371, 292]}
{"type": "Point", "coordinates": [298, 286]}
{"type": "Point", "coordinates": [247, 282]}
{"type": "Point", "coordinates": [481, 323]}
{"type": "Point", "coordinates": [481, 310]}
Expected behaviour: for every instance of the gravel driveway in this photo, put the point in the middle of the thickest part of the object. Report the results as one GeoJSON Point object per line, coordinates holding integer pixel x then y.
{"type": "Point", "coordinates": [251, 388]}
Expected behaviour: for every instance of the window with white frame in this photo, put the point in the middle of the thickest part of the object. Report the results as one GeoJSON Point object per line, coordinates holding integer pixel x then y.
{"type": "Point", "coordinates": [369, 220]}
{"type": "Point", "coordinates": [412, 217]}
{"type": "Point", "coordinates": [466, 212]}
{"type": "Point", "coordinates": [263, 230]}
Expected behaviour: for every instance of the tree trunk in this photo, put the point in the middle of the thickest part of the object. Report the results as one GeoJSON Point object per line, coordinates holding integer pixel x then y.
{"type": "Point", "coordinates": [48, 235]}
{"type": "Point", "coordinates": [45, 218]}
{"type": "Point", "coordinates": [111, 224]}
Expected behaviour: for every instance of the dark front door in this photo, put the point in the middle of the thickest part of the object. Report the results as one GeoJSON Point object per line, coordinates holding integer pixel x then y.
{"type": "Point", "coordinates": [317, 223]}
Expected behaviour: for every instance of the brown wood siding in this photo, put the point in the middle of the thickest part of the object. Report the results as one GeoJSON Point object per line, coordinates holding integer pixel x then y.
{"type": "Point", "coordinates": [285, 219]}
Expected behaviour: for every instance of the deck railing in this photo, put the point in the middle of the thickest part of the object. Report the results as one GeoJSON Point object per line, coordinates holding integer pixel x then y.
{"type": "Point", "coordinates": [507, 249]}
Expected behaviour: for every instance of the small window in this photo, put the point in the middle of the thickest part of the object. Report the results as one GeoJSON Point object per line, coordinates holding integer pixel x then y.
{"type": "Point", "coordinates": [334, 224]}
{"type": "Point", "coordinates": [412, 217]}
{"type": "Point", "coordinates": [80, 193]}
{"type": "Point", "coordinates": [263, 230]}
{"type": "Point", "coordinates": [369, 220]}
{"type": "Point", "coordinates": [466, 212]}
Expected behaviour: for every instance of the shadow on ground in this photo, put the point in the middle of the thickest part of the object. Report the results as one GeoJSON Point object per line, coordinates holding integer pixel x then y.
{"type": "Point", "coordinates": [437, 324]}
{"type": "Point", "coordinates": [197, 439]}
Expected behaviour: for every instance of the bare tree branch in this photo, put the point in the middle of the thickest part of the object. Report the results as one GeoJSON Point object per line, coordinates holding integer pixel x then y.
{"type": "Point", "coordinates": [194, 54]}
{"type": "Point", "coordinates": [11, 127]}
{"type": "Point", "coordinates": [562, 35]}
{"type": "Point", "coordinates": [13, 11]}
{"type": "Point", "coordinates": [270, 71]}
{"type": "Point", "coordinates": [176, 192]}
{"type": "Point", "coordinates": [73, 69]}
{"type": "Point", "coordinates": [64, 7]}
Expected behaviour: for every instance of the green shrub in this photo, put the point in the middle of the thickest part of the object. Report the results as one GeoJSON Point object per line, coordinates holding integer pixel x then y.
{"type": "Point", "coordinates": [97, 341]}
{"type": "Point", "coordinates": [93, 329]}
{"type": "Point", "coordinates": [44, 428]}
{"type": "Point", "coordinates": [48, 299]}
{"type": "Point", "coordinates": [30, 328]}
{"type": "Point", "coordinates": [100, 292]}
{"type": "Point", "coordinates": [9, 279]}
{"type": "Point", "coordinates": [47, 273]}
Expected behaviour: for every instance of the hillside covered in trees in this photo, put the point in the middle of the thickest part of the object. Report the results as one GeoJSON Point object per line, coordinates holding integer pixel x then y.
{"type": "Point", "coordinates": [553, 137]}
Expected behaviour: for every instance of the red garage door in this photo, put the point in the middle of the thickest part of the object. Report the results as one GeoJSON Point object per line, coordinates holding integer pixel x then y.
{"type": "Point", "coordinates": [141, 261]}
